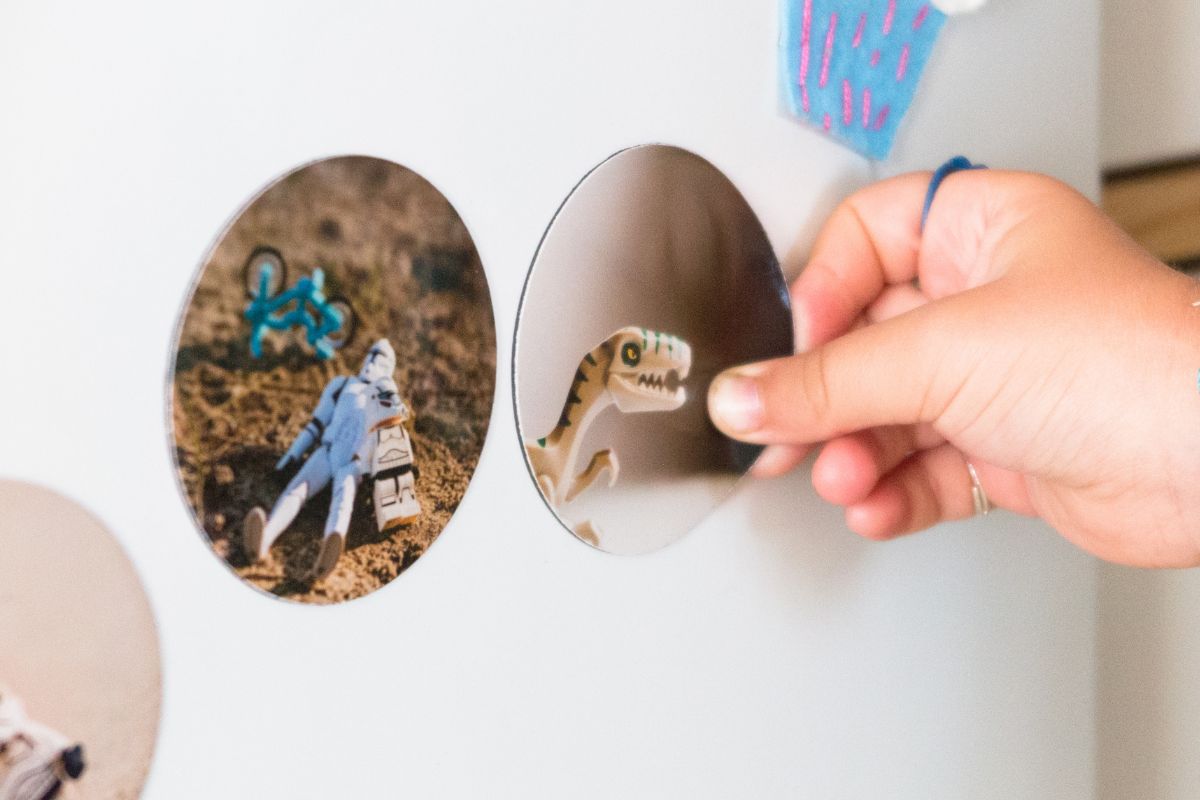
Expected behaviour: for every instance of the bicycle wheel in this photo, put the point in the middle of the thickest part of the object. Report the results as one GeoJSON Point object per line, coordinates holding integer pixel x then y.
{"type": "Point", "coordinates": [343, 335]}
{"type": "Point", "coordinates": [252, 272]}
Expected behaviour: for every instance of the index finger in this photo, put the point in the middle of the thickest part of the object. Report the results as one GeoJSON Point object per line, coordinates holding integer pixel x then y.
{"type": "Point", "coordinates": [874, 240]}
{"type": "Point", "coordinates": [871, 240]}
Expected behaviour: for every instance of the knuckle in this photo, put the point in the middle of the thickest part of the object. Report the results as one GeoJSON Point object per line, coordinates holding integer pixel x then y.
{"type": "Point", "coordinates": [947, 348]}
{"type": "Point", "coordinates": [1032, 186]}
{"type": "Point", "coordinates": [815, 383]}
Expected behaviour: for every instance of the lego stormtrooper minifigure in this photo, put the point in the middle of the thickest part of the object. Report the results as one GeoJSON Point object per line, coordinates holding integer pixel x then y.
{"type": "Point", "coordinates": [35, 761]}
{"type": "Point", "coordinates": [356, 430]}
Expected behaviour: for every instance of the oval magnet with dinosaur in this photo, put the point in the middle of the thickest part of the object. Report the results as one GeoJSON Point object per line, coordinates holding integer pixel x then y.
{"type": "Point", "coordinates": [654, 276]}
{"type": "Point", "coordinates": [333, 379]}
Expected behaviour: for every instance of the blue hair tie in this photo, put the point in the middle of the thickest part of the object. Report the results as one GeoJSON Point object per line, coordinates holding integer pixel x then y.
{"type": "Point", "coordinates": [956, 164]}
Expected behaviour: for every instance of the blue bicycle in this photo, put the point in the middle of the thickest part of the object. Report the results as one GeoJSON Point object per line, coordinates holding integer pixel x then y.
{"type": "Point", "coordinates": [328, 323]}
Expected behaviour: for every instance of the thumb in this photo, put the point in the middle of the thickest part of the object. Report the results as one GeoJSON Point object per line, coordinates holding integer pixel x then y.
{"type": "Point", "coordinates": [900, 372]}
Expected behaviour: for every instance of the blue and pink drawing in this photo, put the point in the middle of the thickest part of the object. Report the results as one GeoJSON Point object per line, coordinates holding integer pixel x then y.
{"type": "Point", "coordinates": [851, 67]}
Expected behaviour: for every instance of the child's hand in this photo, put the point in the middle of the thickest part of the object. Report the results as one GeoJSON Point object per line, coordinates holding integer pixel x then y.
{"type": "Point", "coordinates": [1040, 344]}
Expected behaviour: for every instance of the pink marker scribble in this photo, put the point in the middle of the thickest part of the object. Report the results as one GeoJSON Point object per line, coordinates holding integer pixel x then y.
{"type": "Point", "coordinates": [829, 38]}
{"type": "Point", "coordinates": [875, 58]}
{"type": "Point", "coordinates": [922, 15]}
{"type": "Point", "coordinates": [866, 108]}
{"type": "Point", "coordinates": [805, 37]}
{"type": "Point", "coordinates": [881, 120]}
{"type": "Point", "coordinates": [889, 18]}
{"type": "Point", "coordinates": [902, 70]}
{"type": "Point", "coordinates": [828, 123]}
{"type": "Point", "coordinates": [858, 34]}
{"type": "Point", "coordinates": [847, 103]}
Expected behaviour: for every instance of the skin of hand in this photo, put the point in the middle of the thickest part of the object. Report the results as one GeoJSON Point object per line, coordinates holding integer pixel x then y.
{"type": "Point", "coordinates": [1021, 331]}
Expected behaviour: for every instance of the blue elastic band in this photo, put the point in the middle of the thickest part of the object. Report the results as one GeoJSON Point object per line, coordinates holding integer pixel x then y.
{"type": "Point", "coordinates": [956, 164]}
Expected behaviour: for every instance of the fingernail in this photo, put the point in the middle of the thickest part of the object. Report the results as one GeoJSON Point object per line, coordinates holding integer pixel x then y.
{"type": "Point", "coordinates": [734, 402]}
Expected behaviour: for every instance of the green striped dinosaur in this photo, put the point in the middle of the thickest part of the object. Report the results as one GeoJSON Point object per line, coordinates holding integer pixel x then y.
{"type": "Point", "coordinates": [635, 369]}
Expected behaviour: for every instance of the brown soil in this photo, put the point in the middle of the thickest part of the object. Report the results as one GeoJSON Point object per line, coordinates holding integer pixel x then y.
{"type": "Point", "coordinates": [392, 245]}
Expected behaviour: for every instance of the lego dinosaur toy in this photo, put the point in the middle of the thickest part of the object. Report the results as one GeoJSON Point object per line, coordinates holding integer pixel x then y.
{"type": "Point", "coordinates": [635, 369]}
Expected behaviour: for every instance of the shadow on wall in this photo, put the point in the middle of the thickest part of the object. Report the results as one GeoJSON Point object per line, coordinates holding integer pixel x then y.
{"type": "Point", "coordinates": [813, 558]}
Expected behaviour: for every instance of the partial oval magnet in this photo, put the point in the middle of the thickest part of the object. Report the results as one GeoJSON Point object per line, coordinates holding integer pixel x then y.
{"type": "Point", "coordinates": [333, 379]}
{"type": "Point", "coordinates": [654, 276]}
{"type": "Point", "coordinates": [80, 670]}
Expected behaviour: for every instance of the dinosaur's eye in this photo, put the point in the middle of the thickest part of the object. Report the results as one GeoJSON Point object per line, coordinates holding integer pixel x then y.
{"type": "Point", "coordinates": [631, 354]}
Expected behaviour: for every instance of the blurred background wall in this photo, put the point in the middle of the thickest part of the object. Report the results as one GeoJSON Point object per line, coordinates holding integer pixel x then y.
{"type": "Point", "coordinates": [1151, 77]}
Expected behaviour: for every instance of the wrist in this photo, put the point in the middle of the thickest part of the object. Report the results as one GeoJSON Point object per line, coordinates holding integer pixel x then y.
{"type": "Point", "coordinates": [1181, 393]}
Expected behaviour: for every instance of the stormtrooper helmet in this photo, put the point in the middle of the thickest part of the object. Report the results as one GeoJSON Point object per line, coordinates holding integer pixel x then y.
{"type": "Point", "coordinates": [380, 362]}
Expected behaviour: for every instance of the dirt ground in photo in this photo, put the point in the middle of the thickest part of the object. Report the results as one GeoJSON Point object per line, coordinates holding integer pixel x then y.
{"type": "Point", "coordinates": [395, 248]}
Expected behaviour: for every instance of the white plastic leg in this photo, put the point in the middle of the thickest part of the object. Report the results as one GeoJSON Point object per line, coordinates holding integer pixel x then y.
{"type": "Point", "coordinates": [341, 505]}
{"type": "Point", "coordinates": [311, 479]}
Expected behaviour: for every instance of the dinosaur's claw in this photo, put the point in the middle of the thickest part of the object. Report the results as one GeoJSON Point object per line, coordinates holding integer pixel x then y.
{"type": "Point", "coordinates": [604, 460]}
{"type": "Point", "coordinates": [588, 533]}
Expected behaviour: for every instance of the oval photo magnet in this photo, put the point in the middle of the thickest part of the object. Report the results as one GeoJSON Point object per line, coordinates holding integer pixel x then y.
{"type": "Point", "coordinates": [80, 670]}
{"type": "Point", "coordinates": [654, 276]}
{"type": "Point", "coordinates": [333, 379]}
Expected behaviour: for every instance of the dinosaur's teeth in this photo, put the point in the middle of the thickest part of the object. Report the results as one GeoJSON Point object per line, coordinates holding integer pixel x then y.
{"type": "Point", "coordinates": [655, 381]}
{"type": "Point", "coordinates": [664, 382]}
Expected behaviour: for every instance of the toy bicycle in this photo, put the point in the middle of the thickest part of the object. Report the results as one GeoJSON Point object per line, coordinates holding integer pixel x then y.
{"type": "Point", "coordinates": [328, 323]}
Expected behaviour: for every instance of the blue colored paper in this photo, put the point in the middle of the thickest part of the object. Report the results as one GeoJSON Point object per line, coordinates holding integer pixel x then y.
{"type": "Point", "coordinates": [851, 67]}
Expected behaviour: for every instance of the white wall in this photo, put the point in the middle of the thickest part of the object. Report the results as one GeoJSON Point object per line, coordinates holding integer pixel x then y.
{"type": "Point", "coordinates": [1149, 692]}
{"type": "Point", "coordinates": [1151, 64]}
{"type": "Point", "coordinates": [770, 654]}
